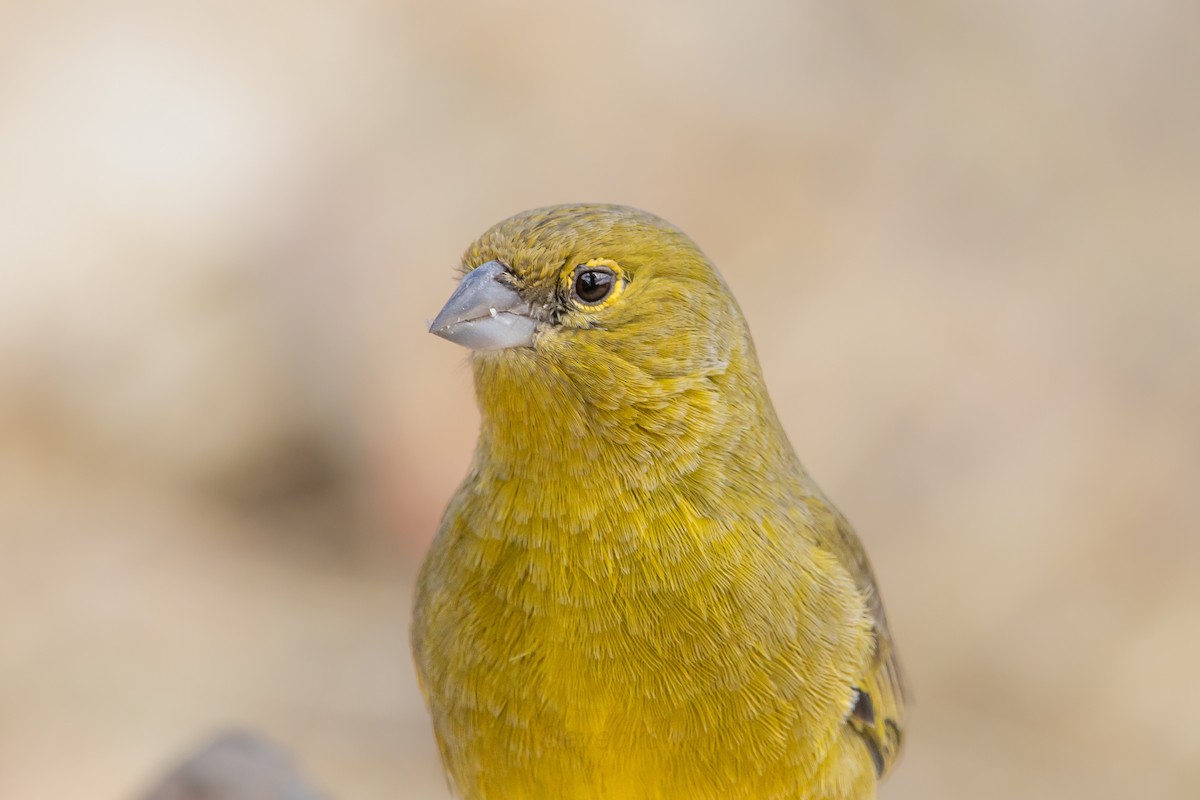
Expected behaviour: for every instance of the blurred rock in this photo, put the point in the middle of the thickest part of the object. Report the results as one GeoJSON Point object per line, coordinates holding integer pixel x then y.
{"type": "Point", "coordinates": [236, 766]}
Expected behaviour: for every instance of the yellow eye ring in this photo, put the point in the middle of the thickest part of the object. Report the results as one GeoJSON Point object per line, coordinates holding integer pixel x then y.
{"type": "Point", "coordinates": [595, 284]}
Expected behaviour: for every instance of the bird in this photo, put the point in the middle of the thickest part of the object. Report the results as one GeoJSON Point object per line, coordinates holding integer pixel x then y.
{"type": "Point", "coordinates": [638, 592]}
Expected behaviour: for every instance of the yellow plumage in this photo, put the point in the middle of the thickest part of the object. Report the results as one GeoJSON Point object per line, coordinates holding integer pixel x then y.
{"type": "Point", "coordinates": [638, 592]}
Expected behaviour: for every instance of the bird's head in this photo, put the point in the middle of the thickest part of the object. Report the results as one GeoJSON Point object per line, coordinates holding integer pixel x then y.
{"type": "Point", "coordinates": [590, 288]}
{"type": "Point", "coordinates": [604, 317]}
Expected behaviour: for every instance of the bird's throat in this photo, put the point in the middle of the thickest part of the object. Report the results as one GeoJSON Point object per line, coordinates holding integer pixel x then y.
{"type": "Point", "coordinates": [576, 436]}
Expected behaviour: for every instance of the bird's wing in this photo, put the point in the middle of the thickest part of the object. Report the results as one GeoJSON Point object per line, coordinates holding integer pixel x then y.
{"type": "Point", "coordinates": [878, 712]}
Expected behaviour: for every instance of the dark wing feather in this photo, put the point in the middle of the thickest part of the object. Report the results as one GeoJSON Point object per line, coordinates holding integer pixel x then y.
{"type": "Point", "coordinates": [879, 709]}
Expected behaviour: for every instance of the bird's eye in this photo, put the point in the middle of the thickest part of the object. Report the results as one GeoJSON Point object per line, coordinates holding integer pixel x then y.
{"type": "Point", "coordinates": [593, 284]}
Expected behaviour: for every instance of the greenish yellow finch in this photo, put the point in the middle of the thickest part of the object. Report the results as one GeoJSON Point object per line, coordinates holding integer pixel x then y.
{"type": "Point", "coordinates": [638, 592]}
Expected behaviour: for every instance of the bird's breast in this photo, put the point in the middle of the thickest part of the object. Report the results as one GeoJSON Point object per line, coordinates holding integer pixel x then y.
{"type": "Point", "coordinates": [656, 615]}
{"type": "Point", "coordinates": [622, 645]}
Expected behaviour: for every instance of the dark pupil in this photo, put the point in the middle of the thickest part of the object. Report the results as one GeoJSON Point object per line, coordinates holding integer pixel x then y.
{"type": "Point", "coordinates": [593, 285]}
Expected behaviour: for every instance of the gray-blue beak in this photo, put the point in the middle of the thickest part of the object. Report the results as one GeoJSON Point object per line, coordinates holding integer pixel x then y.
{"type": "Point", "coordinates": [485, 314]}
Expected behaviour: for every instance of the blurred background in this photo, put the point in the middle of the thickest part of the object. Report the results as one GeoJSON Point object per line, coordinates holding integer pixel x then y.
{"type": "Point", "coordinates": [963, 234]}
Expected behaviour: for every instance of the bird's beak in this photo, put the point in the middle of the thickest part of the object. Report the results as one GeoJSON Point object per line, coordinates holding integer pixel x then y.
{"type": "Point", "coordinates": [485, 314]}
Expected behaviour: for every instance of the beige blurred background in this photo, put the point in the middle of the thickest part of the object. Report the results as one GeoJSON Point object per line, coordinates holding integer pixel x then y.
{"type": "Point", "coordinates": [964, 235]}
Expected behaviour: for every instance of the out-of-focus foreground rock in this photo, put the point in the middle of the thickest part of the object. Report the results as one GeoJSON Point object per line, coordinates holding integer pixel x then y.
{"type": "Point", "coordinates": [235, 766]}
{"type": "Point", "coordinates": [963, 234]}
